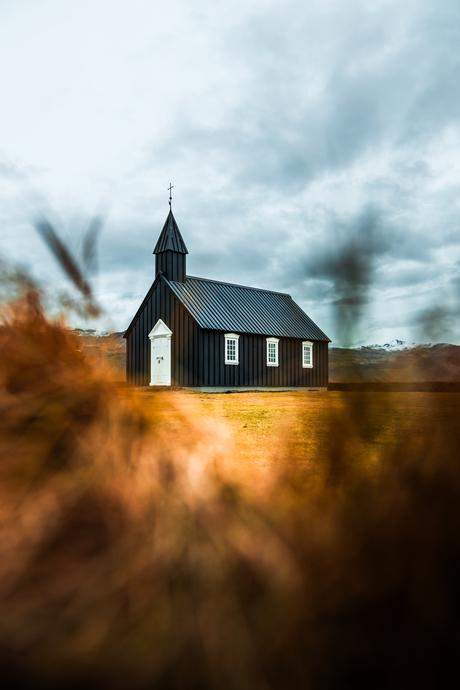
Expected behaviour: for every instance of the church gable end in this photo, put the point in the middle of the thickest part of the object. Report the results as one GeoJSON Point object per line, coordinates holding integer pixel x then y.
{"type": "Point", "coordinates": [160, 306]}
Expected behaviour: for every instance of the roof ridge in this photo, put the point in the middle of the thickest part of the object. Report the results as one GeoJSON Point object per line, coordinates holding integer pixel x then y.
{"type": "Point", "coordinates": [245, 287]}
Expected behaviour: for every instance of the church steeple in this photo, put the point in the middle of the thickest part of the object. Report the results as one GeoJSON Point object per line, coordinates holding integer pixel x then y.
{"type": "Point", "coordinates": [170, 251]}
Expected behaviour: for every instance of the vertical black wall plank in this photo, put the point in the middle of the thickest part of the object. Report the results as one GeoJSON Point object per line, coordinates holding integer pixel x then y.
{"type": "Point", "coordinates": [189, 360]}
{"type": "Point", "coordinates": [172, 264]}
{"type": "Point", "coordinates": [212, 360]}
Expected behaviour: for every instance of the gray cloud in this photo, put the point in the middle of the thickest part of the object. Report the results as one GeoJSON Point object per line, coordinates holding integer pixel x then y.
{"type": "Point", "coordinates": [320, 160]}
{"type": "Point", "coordinates": [435, 322]}
{"type": "Point", "coordinates": [377, 85]}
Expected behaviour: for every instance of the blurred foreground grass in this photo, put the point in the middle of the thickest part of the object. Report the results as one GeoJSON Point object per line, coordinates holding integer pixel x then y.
{"type": "Point", "coordinates": [176, 540]}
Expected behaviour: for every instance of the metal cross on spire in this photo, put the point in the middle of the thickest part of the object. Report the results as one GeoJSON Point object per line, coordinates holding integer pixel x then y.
{"type": "Point", "coordinates": [170, 196]}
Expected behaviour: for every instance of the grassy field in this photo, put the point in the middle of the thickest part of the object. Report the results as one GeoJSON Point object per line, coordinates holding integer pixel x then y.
{"type": "Point", "coordinates": [260, 430]}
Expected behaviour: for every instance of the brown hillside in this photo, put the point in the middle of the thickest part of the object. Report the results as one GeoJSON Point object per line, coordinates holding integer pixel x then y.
{"type": "Point", "coordinates": [432, 363]}
{"type": "Point", "coordinates": [110, 349]}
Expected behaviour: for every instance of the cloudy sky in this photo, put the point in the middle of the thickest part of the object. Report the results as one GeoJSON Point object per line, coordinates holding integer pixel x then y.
{"type": "Point", "coordinates": [313, 145]}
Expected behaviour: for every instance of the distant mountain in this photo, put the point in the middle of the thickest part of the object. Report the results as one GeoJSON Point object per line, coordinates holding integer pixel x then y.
{"type": "Point", "coordinates": [395, 361]}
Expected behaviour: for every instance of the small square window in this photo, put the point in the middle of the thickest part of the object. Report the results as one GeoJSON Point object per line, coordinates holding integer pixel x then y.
{"type": "Point", "coordinates": [272, 352]}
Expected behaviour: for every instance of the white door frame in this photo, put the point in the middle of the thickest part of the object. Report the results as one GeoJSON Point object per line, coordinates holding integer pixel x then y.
{"type": "Point", "coordinates": [160, 330]}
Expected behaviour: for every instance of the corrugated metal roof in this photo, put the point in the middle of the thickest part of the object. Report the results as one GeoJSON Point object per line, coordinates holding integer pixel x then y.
{"type": "Point", "coordinates": [228, 307]}
{"type": "Point", "coordinates": [170, 237]}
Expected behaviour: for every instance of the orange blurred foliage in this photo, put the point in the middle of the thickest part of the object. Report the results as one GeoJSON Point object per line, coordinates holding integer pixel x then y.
{"type": "Point", "coordinates": [131, 558]}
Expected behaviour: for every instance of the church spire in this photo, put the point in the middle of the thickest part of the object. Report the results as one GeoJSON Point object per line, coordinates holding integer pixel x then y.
{"type": "Point", "coordinates": [170, 237]}
{"type": "Point", "coordinates": [170, 251]}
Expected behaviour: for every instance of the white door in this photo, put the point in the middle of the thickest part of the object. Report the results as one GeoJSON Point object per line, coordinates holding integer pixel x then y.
{"type": "Point", "coordinates": [160, 359]}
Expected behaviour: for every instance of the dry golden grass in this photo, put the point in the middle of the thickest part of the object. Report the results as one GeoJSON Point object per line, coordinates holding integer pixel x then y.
{"type": "Point", "coordinates": [256, 541]}
{"type": "Point", "coordinates": [260, 427]}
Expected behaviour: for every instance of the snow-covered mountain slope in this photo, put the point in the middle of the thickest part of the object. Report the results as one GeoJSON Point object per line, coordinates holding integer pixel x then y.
{"type": "Point", "coordinates": [394, 346]}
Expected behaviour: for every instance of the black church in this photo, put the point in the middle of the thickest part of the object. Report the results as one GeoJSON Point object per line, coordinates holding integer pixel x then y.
{"type": "Point", "coordinates": [208, 335]}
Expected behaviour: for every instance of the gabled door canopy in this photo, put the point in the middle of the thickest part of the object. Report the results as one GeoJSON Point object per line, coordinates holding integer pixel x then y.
{"type": "Point", "coordinates": [160, 329]}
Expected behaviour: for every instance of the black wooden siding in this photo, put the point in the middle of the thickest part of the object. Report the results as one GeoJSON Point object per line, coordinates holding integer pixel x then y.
{"type": "Point", "coordinates": [198, 355]}
{"type": "Point", "coordinates": [171, 264]}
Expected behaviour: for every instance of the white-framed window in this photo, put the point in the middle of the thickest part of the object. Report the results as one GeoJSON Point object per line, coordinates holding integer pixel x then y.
{"type": "Point", "coordinates": [272, 352]}
{"type": "Point", "coordinates": [307, 354]}
{"type": "Point", "coordinates": [231, 348]}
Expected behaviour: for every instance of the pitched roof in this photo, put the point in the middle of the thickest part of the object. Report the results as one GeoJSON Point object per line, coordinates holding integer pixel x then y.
{"type": "Point", "coordinates": [227, 307]}
{"type": "Point", "coordinates": [170, 237]}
